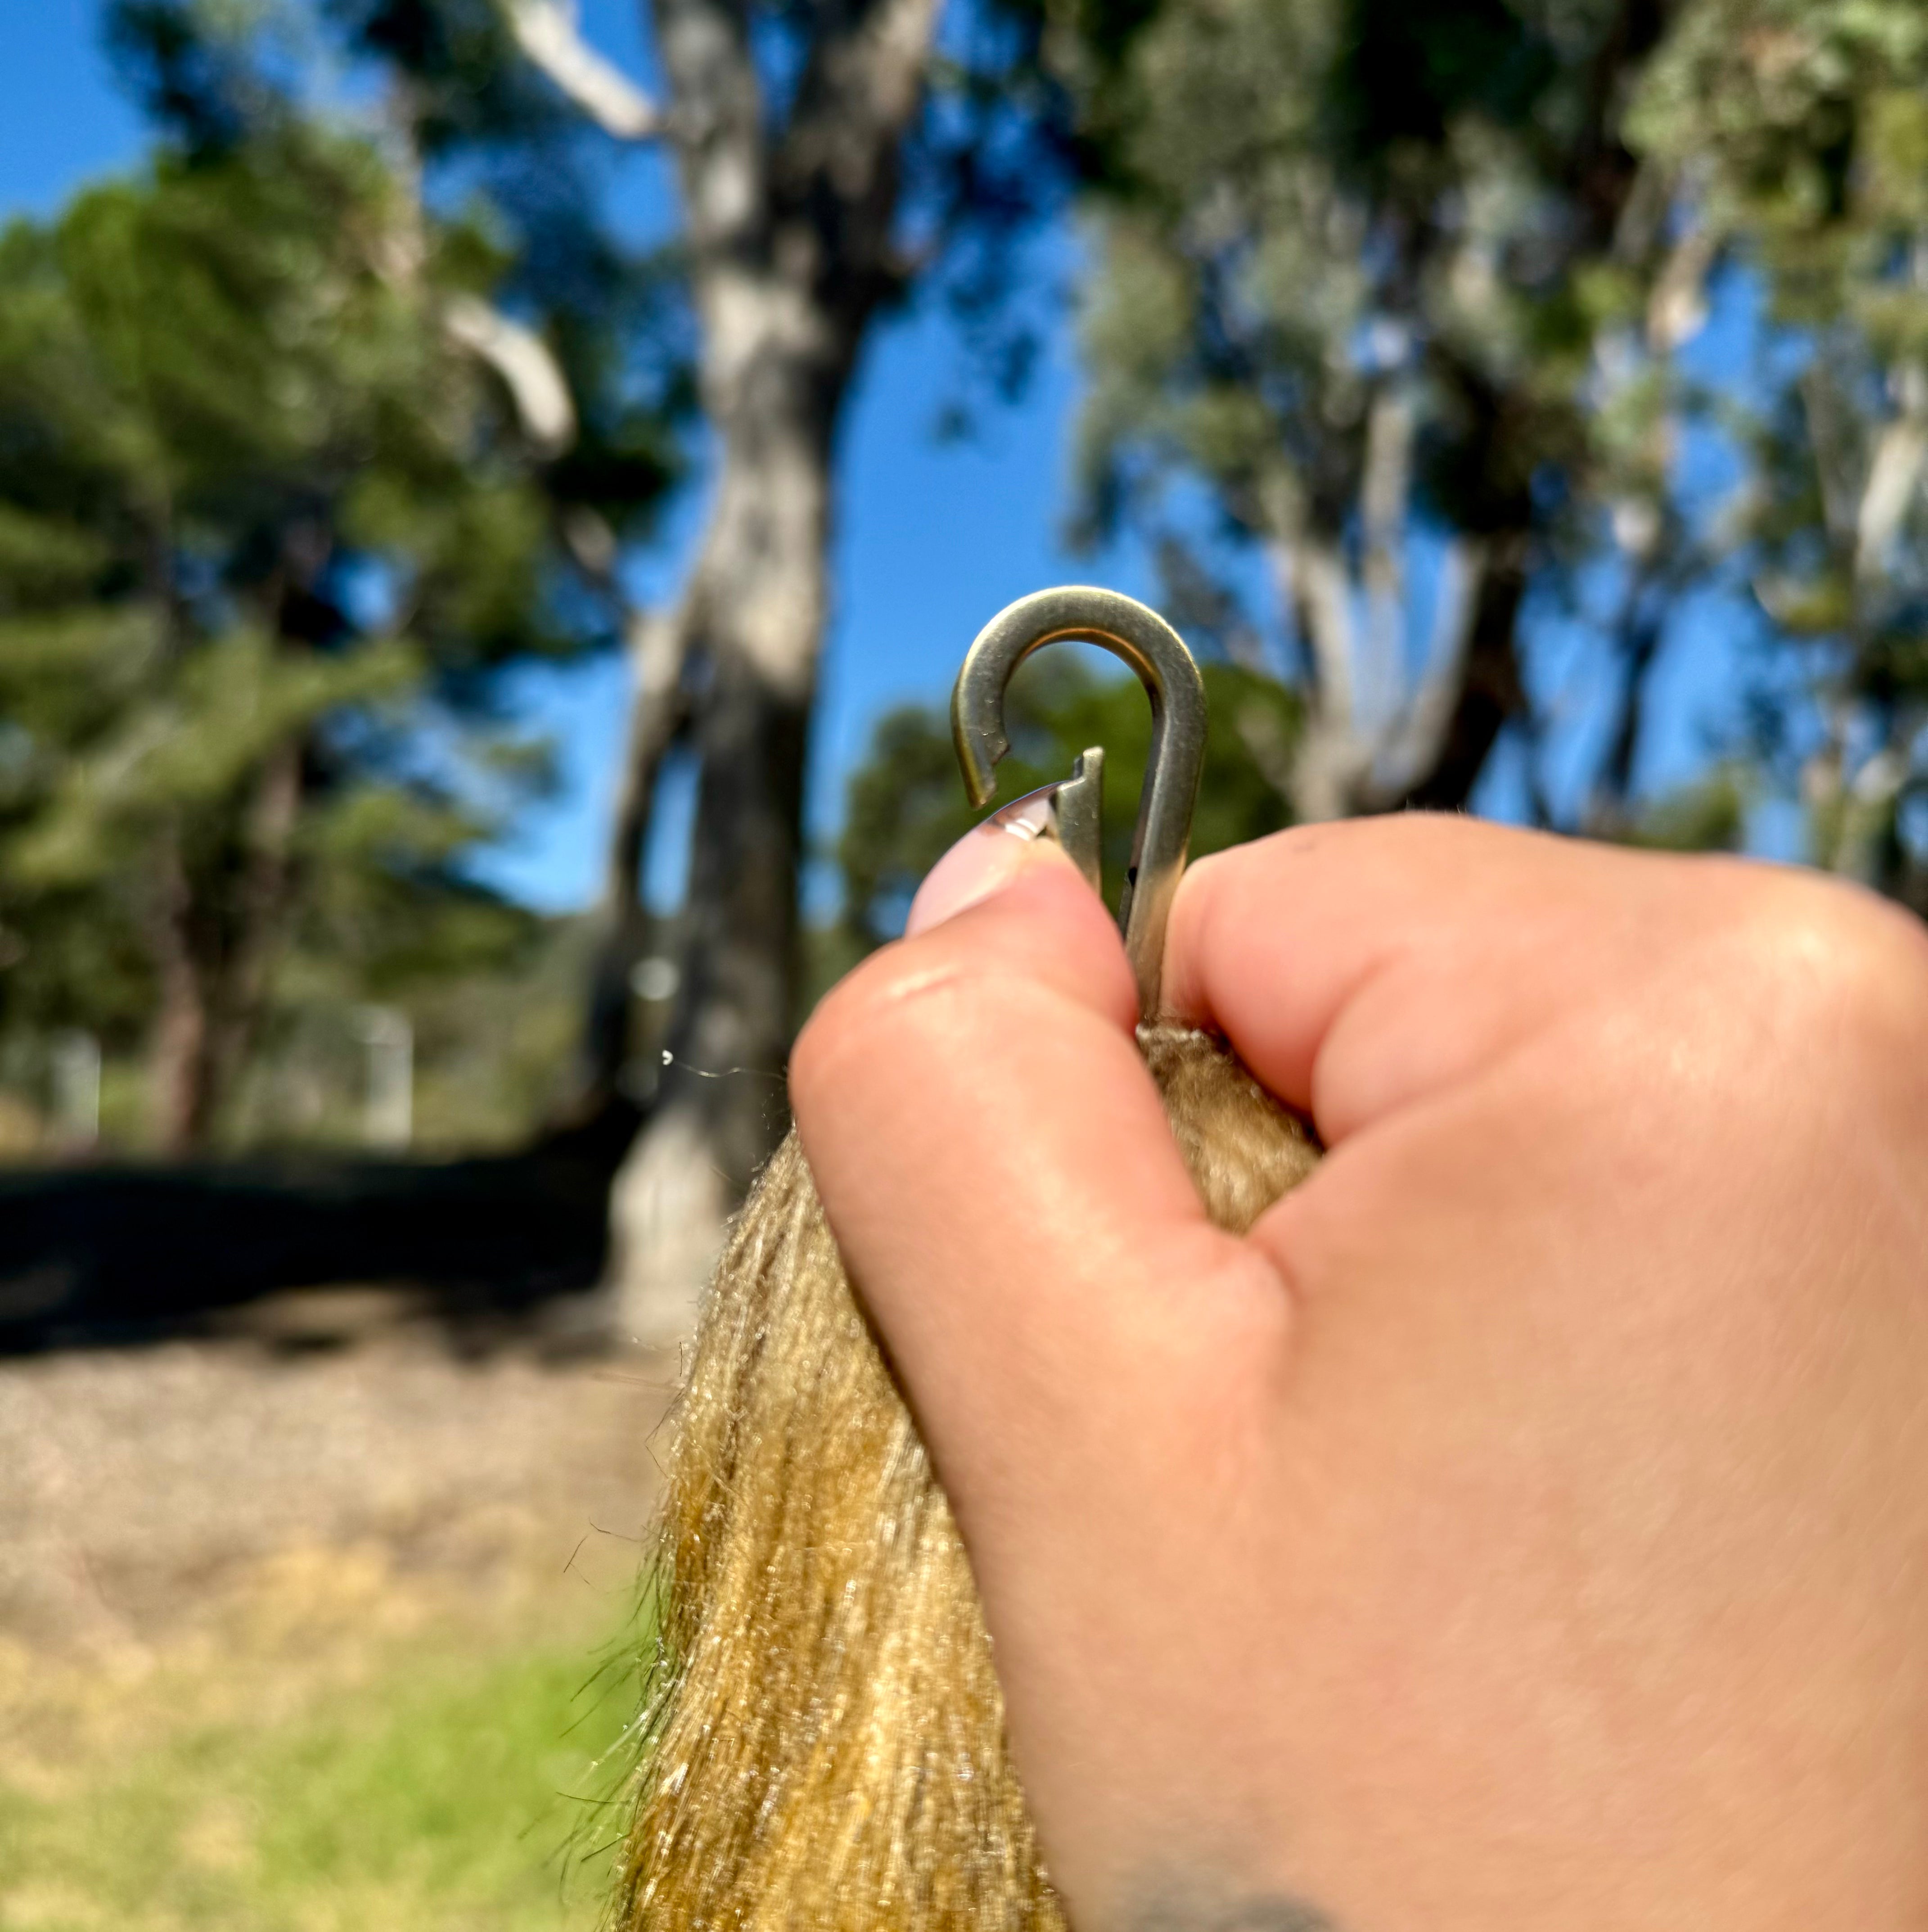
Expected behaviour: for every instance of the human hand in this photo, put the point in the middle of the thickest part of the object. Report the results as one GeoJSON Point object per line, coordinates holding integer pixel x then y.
{"type": "Point", "coordinates": [1527, 1523]}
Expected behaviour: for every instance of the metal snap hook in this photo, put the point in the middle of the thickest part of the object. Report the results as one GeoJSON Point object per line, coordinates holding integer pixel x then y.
{"type": "Point", "coordinates": [1129, 630]}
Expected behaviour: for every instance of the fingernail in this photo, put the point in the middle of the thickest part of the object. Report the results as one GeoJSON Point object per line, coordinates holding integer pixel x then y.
{"type": "Point", "coordinates": [986, 858]}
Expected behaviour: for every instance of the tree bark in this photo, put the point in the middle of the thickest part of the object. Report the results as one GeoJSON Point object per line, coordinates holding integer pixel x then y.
{"type": "Point", "coordinates": [789, 230]}
{"type": "Point", "coordinates": [1601, 174]}
{"type": "Point", "coordinates": [731, 1034]}
{"type": "Point", "coordinates": [1490, 692]}
{"type": "Point", "coordinates": [658, 651]}
{"type": "Point", "coordinates": [758, 600]}
{"type": "Point", "coordinates": [178, 1065]}
{"type": "Point", "coordinates": [262, 897]}
{"type": "Point", "coordinates": [1335, 752]}
{"type": "Point", "coordinates": [215, 959]}
{"type": "Point", "coordinates": [1609, 813]}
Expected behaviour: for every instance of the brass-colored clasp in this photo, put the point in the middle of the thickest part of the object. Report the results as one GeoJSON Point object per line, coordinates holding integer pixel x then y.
{"type": "Point", "coordinates": [1126, 629]}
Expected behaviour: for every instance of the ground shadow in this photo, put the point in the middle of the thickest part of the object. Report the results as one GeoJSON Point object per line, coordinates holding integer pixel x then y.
{"type": "Point", "coordinates": [111, 1253]}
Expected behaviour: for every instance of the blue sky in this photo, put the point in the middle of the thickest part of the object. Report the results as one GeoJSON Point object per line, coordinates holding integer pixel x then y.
{"type": "Point", "coordinates": [932, 537]}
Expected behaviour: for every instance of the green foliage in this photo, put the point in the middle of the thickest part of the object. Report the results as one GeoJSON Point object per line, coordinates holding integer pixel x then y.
{"type": "Point", "coordinates": [1318, 198]}
{"type": "Point", "coordinates": [268, 527]}
{"type": "Point", "coordinates": [1365, 268]}
{"type": "Point", "coordinates": [906, 805]}
{"type": "Point", "coordinates": [1709, 815]}
{"type": "Point", "coordinates": [1371, 288]}
{"type": "Point", "coordinates": [196, 371]}
{"type": "Point", "coordinates": [449, 1791]}
{"type": "Point", "coordinates": [492, 995]}
{"type": "Point", "coordinates": [1804, 124]}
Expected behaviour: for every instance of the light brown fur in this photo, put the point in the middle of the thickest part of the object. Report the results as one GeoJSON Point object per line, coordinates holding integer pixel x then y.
{"type": "Point", "coordinates": [824, 1746]}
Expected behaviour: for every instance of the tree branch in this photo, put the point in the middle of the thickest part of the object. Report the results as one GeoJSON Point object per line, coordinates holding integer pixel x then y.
{"type": "Point", "coordinates": [1489, 693]}
{"type": "Point", "coordinates": [1414, 748]}
{"type": "Point", "coordinates": [1334, 754]}
{"type": "Point", "coordinates": [546, 32]}
{"type": "Point", "coordinates": [657, 645]}
{"type": "Point", "coordinates": [1384, 488]}
{"type": "Point", "coordinates": [1642, 625]}
{"type": "Point", "coordinates": [1676, 309]}
{"type": "Point", "coordinates": [859, 90]}
{"type": "Point", "coordinates": [839, 161]}
{"type": "Point", "coordinates": [1900, 452]}
{"type": "Point", "coordinates": [521, 359]}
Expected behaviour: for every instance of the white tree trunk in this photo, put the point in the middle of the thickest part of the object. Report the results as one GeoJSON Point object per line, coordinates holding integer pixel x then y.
{"type": "Point", "coordinates": [761, 589]}
{"type": "Point", "coordinates": [789, 216]}
{"type": "Point", "coordinates": [790, 235]}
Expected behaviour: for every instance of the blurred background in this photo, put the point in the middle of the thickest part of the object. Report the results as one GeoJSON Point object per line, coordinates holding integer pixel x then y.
{"type": "Point", "coordinates": [493, 495]}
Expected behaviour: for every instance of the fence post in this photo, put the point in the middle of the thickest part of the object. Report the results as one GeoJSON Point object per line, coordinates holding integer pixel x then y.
{"type": "Point", "coordinates": [74, 1060]}
{"type": "Point", "coordinates": [388, 1118]}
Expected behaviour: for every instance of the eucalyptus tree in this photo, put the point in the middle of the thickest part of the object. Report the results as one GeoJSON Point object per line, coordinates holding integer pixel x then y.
{"type": "Point", "coordinates": [1389, 281]}
{"type": "Point", "coordinates": [825, 158]}
{"type": "Point", "coordinates": [790, 171]}
{"type": "Point", "coordinates": [1802, 126]}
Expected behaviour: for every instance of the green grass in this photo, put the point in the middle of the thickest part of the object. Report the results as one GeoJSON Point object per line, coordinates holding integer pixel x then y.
{"type": "Point", "coordinates": [445, 1791]}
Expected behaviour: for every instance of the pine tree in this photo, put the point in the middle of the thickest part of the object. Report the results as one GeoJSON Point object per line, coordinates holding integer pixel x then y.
{"type": "Point", "coordinates": [271, 522]}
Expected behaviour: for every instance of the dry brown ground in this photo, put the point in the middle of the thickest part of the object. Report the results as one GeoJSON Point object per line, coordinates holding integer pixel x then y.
{"type": "Point", "coordinates": [253, 1517]}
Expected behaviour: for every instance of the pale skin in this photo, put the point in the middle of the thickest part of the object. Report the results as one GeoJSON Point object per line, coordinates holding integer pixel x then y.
{"type": "Point", "coordinates": [1527, 1524]}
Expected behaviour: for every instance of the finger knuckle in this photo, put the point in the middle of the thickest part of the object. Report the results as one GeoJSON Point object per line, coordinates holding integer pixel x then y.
{"type": "Point", "coordinates": [1847, 971]}
{"type": "Point", "coordinates": [843, 1019]}
{"type": "Point", "coordinates": [894, 1000]}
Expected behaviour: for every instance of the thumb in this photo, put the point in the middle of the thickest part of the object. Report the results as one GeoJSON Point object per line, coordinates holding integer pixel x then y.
{"type": "Point", "coordinates": [995, 1162]}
